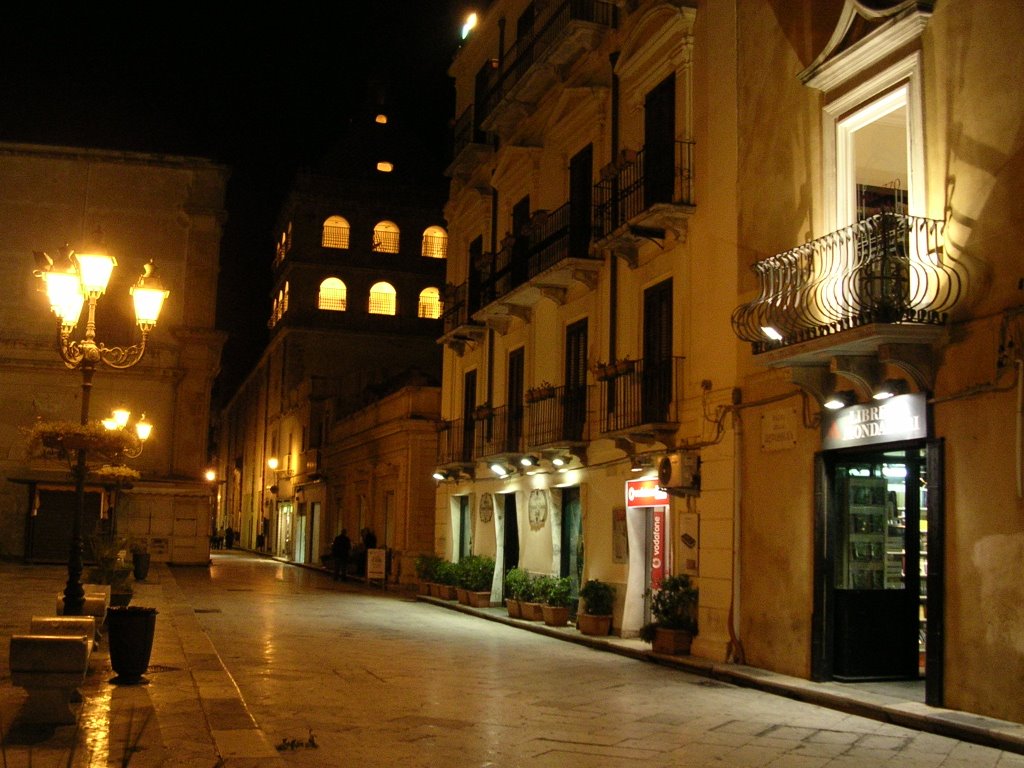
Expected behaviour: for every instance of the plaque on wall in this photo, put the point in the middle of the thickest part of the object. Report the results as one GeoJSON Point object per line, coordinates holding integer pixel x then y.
{"type": "Point", "coordinates": [486, 507]}
{"type": "Point", "coordinates": [538, 508]}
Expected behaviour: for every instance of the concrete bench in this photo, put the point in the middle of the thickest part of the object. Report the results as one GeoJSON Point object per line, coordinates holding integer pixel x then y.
{"type": "Point", "coordinates": [97, 600]}
{"type": "Point", "coordinates": [71, 626]}
{"type": "Point", "coordinates": [50, 668]}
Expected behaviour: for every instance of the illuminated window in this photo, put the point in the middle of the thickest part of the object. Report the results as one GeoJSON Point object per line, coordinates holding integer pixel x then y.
{"type": "Point", "coordinates": [430, 303]}
{"type": "Point", "coordinates": [385, 167]}
{"type": "Point", "coordinates": [382, 119]}
{"type": "Point", "coordinates": [335, 234]}
{"type": "Point", "coordinates": [333, 295]}
{"type": "Point", "coordinates": [385, 237]}
{"type": "Point", "coordinates": [284, 298]}
{"type": "Point", "coordinates": [435, 243]}
{"type": "Point", "coordinates": [382, 299]}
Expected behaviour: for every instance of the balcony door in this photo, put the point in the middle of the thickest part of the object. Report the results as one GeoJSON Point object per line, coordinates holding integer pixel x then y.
{"type": "Point", "coordinates": [581, 184]}
{"type": "Point", "coordinates": [657, 353]}
{"type": "Point", "coordinates": [468, 423]}
{"type": "Point", "coordinates": [574, 406]}
{"type": "Point", "coordinates": [514, 399]}
{"type": "Point", "coordinates": [659, 142]}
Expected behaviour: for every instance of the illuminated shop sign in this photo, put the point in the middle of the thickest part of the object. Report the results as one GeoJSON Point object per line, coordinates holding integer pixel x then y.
{"type": "Point", "coordinates": [904, 417]}
{"type": "Point", "coordinates": [645, 493]}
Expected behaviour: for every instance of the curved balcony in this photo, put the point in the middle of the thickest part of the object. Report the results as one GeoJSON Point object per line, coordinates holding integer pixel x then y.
{"type": "Point", "coordinates": [887, 275]}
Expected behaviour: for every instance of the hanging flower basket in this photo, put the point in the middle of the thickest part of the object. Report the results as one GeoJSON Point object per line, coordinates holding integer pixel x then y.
{"type": "Point", "coordinates": [117, 473]}
{"type": "Point", "coordinates": [543, 391]}
{"type": "Point", "coordinates": [67, 436]}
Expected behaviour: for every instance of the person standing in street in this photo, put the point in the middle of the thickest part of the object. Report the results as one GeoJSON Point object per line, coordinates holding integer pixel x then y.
{"type": "Point", "coordinates": [340, 549]}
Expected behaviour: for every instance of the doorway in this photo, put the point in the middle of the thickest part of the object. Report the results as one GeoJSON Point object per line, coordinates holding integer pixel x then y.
{"type": "Point", "coordinates": [880, 524]}
{"type": "Point", "coordinates": [571, 564]}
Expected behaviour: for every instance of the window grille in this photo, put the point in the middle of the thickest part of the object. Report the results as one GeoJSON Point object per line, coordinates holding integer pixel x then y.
{"type": "Point", "coordinates": [382, 299]}
{"type": "Point", "coordinates": [333, 295]}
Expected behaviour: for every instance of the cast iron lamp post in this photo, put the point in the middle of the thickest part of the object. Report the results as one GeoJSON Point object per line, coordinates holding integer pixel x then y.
{"type": "Point", "coordinates": [75, 283]}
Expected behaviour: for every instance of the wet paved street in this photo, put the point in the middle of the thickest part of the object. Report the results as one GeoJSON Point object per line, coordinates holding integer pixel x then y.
{"type": "Point", "coordinates": [385, 680]}
{"type": "Point", "coordinates": [252, 654]}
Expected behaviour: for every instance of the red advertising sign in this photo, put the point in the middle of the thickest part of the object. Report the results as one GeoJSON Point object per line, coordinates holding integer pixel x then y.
{"type": "Point", "coordinates": [645, 493]}
{"type": "Point", "coordinates": [658, 543]}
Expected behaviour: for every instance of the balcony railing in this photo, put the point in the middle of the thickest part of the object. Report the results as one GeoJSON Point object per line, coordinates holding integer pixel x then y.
{"type": "Point", "coordinates": [498, 431]}
{"type": "Point", "coordinates": [558, 418]}
{"type": "Point", "coordinates": [546, 241]}
{"type": "Point", "coordinates": [534, 47]}
{"type": "Point", "coordinates": [455, 442]}
{"type": "Point", "coordinates": [889, 268]}
{"type": "Point", "coordinates": [636, 183]}
{"type": "Point", "coordinates": [647, 396]}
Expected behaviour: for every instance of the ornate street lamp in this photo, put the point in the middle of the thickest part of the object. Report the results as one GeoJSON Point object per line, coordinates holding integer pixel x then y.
{"type": "Point", "coordinates": [75, 282]}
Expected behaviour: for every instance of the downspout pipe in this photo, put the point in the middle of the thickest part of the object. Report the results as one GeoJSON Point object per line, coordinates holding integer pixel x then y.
{"type": "Point", "coordinates": [613, 267]}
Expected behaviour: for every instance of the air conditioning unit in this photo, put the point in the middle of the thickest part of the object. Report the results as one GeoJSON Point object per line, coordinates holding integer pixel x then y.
{"type": "Point", "coordinates": [680, 472]}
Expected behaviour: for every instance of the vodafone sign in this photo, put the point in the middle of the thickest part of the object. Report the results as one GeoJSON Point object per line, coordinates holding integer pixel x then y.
{"type": "Point", "coordinates": [645, 493]}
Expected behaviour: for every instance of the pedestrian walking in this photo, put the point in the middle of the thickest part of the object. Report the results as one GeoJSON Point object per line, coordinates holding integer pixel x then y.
{"type": "Point", "coordinates": [340, 549]}
{"type": "Point", "coordinates": [229, 537]}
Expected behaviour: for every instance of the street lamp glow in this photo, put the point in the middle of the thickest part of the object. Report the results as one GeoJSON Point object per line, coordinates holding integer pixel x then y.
{"type": "Point", "coordinates": [273, 463]}
{"type": "Point", "coordinates": [211, 475]}
{"type": "Point", "coordinates": [469, 24]}
{"type": "Point", "coordinates": [94, 270]}
{"type": "Point", "coordinates": [143, 428]}
{"type": "Point", "coordinates": [148, 295]}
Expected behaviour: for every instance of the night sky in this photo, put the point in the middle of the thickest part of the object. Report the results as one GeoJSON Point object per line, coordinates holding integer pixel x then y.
{"type": "Point", "coordinates": [266, 93]}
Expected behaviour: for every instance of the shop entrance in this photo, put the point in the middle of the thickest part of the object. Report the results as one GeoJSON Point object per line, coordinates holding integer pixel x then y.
{"type": "Point", "coordinates": [876, 512]}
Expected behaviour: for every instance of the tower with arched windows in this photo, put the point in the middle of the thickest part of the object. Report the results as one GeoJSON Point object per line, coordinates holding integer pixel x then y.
{"type": "Point", "coordinates": [358, 264]}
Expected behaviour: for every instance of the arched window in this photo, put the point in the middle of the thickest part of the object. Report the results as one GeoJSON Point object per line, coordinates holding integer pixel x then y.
{"type": "Point", "coordinates": [385, 237]}
{"type": "Point", "coordinates": [333, 295]}
{"type": "Point", "coordinates": [284, 298]}
{"type": "Point", "coordinates": [430, 303]}
{"type": "Point", "coordinates": [435, 243]}
{"type": "Point", "coordinates": [335, 234]}
{"type": "Point", "coordinates": [382, 299]}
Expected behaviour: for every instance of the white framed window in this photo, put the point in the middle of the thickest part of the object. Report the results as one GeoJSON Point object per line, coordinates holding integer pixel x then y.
{"type": "Point", "coordinates": [382, 299]}
{"type": "Point", "coordinates": [385, 237]}
{"type": "Point", "coordinates": [335, 232]}
{"type": "Point", "coordinates": [430, 303]}
{"type": "Point", "coordinates": [435, 243]}
{"type": "Point", "coordinates": [333, 295]}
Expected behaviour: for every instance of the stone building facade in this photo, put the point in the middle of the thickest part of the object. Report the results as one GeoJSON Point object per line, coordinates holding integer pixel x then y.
{"type": "Point", "coordinates": [167, 209]}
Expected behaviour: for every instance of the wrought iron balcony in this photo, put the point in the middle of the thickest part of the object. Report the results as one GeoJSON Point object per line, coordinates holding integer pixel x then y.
{"type": "Point", "coordinates": [556, 416]}
{"type": "Point", "coordinates": [455, 442]}
{"type": "Point", "coordinates": [498, 431]}
{"type": "Point", "coordinates": [550, 255]}
{"type": "Point", "coordinates": [641, 399]}
{"type": "Point", "coordinates": [471, 146]}
{"type": "Point", "coordinates": [639, 197]}
{"type": "Point", "coordinates": [889, 271]}
{"type": "Point", "coordinates": [532, 63]}
{"type": "Point", "coordinates": [457, 321]}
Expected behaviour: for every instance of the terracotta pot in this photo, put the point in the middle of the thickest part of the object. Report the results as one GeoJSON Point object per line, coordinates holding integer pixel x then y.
{"type": "Point", "coordinates": [480, 599]}
{"type": "Point", "coordinates": [462, 595]}
{"type": "Point", "coordinates": [672, 642]}
{"type": "Point", "coordinates": [555, 615]}
{"type": "Point", "coordinates": [532, 611]}
{"type": "Point", "coordinates": [596, 625]}
{"type": "Point", "coordinates": [515, 610]}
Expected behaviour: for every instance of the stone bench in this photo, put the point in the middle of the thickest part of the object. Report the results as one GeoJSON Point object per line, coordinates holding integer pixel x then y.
{"type": "Point", "coordinates": [50, 668]}
{"type": "Point", "coordinates": [70, 626]}
{"type": "Point", "coordinates": [97, 600]}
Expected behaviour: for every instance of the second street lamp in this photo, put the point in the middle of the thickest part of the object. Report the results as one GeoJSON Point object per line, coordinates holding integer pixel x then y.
{"type": "Point", "coordinates": [73, 283]}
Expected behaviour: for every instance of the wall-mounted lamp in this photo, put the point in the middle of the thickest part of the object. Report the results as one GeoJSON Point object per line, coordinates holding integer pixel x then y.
{"type": "Point", "coordinates": [891, 388]}
{"type": "Point", "coordinates": [500, 469]}
{"type": "Point", "coordinates": [771, 332]}
{"type": "Point", "coordinates": [528, 461]}
{"type": "Point", "coordinates": [272, 463]}
{"type": "Point", "coordinates": [840, 399]}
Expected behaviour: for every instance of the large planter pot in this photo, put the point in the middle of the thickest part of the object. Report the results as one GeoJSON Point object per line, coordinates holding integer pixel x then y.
{"type": "Point", "coordinates": [532, 611]}
{"type": "Point", "coordinates": [130, 630]}
{"type": "Point", "coordinates": [672, 642]}
{"type": "Point", "coordinates": [140, 565]}
{"type": "Point", "coordinates": [480, 599]}
{"type": "Point", "coordinates": [590, 624]}
{"type": "Point", "coordinates": [515, 610]}
{"type": "Point", "coordinates": [462, 595]}
{"type": "Point", "coordinates": [555, 615]}
{"type": "Point", "coordinates": [448, 592]}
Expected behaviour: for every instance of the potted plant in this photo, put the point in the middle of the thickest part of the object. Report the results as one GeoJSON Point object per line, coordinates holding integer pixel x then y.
{"type": "Point", "coordinates": [111, 568]}
{"type": "Point", "coordinates": [426, 568]}
{"type": "Point", "coordinates": [446, 575]}
{"type": "Point", "coordinates": [140, 559]}
{"type": "Point", "coordinates": [557, 601]}
{"type": "Point", "coordinates": [517, 584]}
{"type": "Point", "coordinates": [596, 617]}
{"type": "Point", "coordinates": [476, 574]}
{"type": "Point", "coordinates": [533, 604]}
{"type": "Point", "coordinates": [674, 608]}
